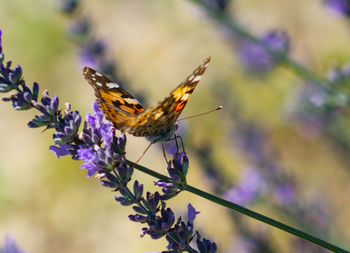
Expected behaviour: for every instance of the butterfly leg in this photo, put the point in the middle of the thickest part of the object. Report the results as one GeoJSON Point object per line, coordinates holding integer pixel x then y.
{"type": "Point", "coordinates": [164, 154]}
{"type": "Point", "coordinates": [182, 143]}
{"type": "Point", "coordinates": [177, 145]}
{"type": "Point", "coordinates": [144, 152]}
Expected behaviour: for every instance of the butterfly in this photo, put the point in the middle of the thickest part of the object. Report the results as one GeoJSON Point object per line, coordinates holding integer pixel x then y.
{"type": "Point", "coordinates": [157, 124]}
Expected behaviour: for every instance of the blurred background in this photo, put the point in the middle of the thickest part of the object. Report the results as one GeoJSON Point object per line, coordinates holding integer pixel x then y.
{"type": "Point", "coordinates": [279, 147]}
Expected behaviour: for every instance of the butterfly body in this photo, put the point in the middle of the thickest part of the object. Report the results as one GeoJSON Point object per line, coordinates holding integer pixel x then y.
{"type": "Point", "coordinates": [157, 124]}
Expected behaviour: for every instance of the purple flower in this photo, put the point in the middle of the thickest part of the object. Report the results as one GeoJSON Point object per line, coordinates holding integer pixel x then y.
{"type": "Point", "coordinates": [10, 79]}
{"type": "Point", "coordinates": [102, 148]}
{"type": "Point", "coordinates": [96, 145]}
{"type": "Point", "coordinates": [10, 246]}
{"type": "Point", "coordinates": [68, 6]}
{"type": "Point", "coordinates": [104, 153]}
{"type": "Point", "coordinates": [205, 245]}
{"type": "Point", "coordinates": [67, 126]}
{"type": "Point", "coordinates": [255, 58]}
{"type": "Point", "coordinates": [219, 5]}
{"type": "Point", "coordinates": [177, 170]}
{"type": "Point", "coordinates": [191, 214]}
{"type": "Point", "coordinates": [49, 112]}
{"type": "Point", "coordinates": [339, 75]}
{"type": "Point", "coordinates": [89, 156]}
{"type": "Point", "coordinates": [62, 149]}
{"type": "Point", "coordinates": [247, 189]}
{"type": "Point", "coordinates": [80, 27]}
{"type": "Point", "coordinates": [340, 7]}
{"type": "Point", "coordinates": [0, 43]}
{"type": "Point", "coordinates": [285, 194]}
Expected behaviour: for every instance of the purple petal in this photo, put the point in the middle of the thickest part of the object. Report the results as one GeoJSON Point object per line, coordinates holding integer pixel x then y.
{"type": "Point", "coordinates": [0, 41]}
{"type": "Point", "coordinates": [58, 151]}
{"type": "Point", "coordinates": [339, 7]}
{"type": "Point", "coordinates": [86, 155]}
{"type": "Point", "coordinates": [10, 245]}
{"type": "Point", "coordinates": [98, 113]}
{"type": "Point", "coordinates": [191, 213]}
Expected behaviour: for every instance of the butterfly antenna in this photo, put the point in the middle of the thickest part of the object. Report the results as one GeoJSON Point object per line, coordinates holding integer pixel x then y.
{"type": "Point", "coordinates": [201, 114]}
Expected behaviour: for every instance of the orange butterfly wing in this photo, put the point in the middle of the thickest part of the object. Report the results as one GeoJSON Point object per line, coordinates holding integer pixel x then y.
{"type": "Point", "coordinates": [127, 114]}
{"type": "Point", "coordinates": [161, 119]}
{"type": "Point", "coordinates": [116, 103]}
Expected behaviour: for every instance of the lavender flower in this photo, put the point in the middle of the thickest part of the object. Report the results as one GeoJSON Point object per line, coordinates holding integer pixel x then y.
{"type": "Point", "coordinates": [10, 246]}
{"type": "Point", "coordinates": [97, 145]}
{"type": "Point", "coordinates": [69, 6]}
{"type": "Point", "coordinates": [324, 107]}
{"type": "Point", "coordinates": [67, 126]}
{"type": "Point", "coordinates": [219, 5]}
{"type": "Point", "coordinates": [11, 78]}
{"type": "Point", "coordinates": [341, 7]}
{"type": "Point", "coordinates": [255, 58]}
{"type": "Point", "coordinates": [103, 154]}
{"type": "Point", "coordinates": [92, 51]}
{"type": "Point", "coordinates": [80, 28]}
{"type": "Point", "coordinates": [1, 46]}
{"type": "Point", "coordinates": [177, 170]}
{"type": "Point", "coordinates": [247, 189]}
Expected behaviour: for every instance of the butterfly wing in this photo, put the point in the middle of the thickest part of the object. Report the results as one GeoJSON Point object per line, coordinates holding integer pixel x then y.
{"type": "Point", "coordinates": [161, 119]}
{"type": "Point", "coordinates": [116, 103]}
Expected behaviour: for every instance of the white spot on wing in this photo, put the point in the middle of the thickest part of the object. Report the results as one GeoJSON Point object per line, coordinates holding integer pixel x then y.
{"type": "Point", "coordinates": [98, 74]}
{"type": "Point", "coordinates": [131, 101]}
{"type": "Point", "coordinates": [191, 78]}
{"type": "Point", "coordinates": [156, 116]}
{"type": "Point", "coordinates": [99, 84]}
{"type": "Point", "coordinates": [197, 78]}
{"type": "Point", "coordinates": [184, 97]}
{"type": "Point", "coordinates": [112, 85]}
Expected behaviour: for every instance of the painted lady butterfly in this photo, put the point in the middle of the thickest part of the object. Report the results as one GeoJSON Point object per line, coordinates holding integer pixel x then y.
{"type": "Point", "coordinates": [157, 124]}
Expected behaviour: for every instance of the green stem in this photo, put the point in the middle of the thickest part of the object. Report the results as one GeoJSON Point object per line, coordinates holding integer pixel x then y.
{"type": "Point", "coordinates": [265, 219]}
{"type": "Point", "coordinates": [246, 211]}
{"type": "Point", "coordinates": [283, 58]}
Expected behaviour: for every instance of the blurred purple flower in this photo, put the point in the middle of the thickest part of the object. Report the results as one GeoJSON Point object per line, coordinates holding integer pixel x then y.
{"type": "Point", "coordinates": [68, 6]}
{"type": "Point", "coordinates": [10, 246]}
{"type": "Point", "coordinates": [339, 75]}
{"type": "Point", "coordinates": [255, 58]}
{"type": "Point", "coordinates": [91, 52]}
{"type": "Point", "coordinates": [247, 189]}
{"type": "Point", "coordinates": [219, 5]}
{"type": "Point", "coordinates": [80, 28]}
{"type": "Point", "coordinates": [0, 42]}
{"type": "Point", "coordinates": [340, 7]}
{"type": "Point", "coordinates": [285, 194]}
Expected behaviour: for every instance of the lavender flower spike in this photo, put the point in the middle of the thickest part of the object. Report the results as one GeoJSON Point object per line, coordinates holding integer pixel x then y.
{"type": "Point", "coordinates": [10, 246]}
{"type": "Point", "coordinates": [104, 153]}
{"type": "Point", "coordinates": [255, 58]}
{"type": "Point", "coordinates": [340, 7]}
{"type": "Point", "coordinates": [0, 44]}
